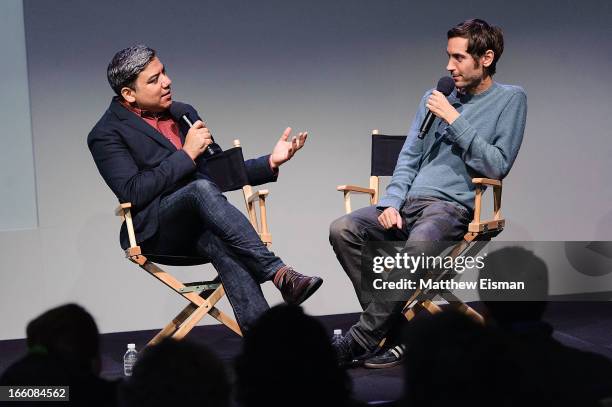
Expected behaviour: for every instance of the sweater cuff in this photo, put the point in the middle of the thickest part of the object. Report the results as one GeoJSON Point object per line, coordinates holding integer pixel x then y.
{"type": "Point", "coordinates": [459, 133]}
{"type": "Point", "coordinates": [390, 201]}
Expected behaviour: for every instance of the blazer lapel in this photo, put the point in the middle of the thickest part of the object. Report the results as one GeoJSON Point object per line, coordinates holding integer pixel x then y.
{"type": "Point", "coordinates": [139, 124]}
{"type": "Point", "coordinates": [183, 129]}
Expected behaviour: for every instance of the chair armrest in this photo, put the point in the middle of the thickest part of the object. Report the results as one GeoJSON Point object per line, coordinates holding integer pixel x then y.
{"type": "Point", "coordinates": [488, 226]}
{"type": "Point", "coordinates": [348, 189]}
{"type": "Point", "coordinates": [255, 196]}
{"type": "Point", "coordinates": [497, 223]}
{"type": "Point", "coordinates": [120, 210]}
{"type": "Point", "coordinates": [123, 210]}
{"type": "Point", "coordinates": [487, 181]}
{"type": "Point", "coordinates": [355, 188]}
{"type": "Point", "coordinates": [260, 196]}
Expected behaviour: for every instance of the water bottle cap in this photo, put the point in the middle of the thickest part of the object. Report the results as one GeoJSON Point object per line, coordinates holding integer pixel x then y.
{"type": "Point", "coordinates": [337, 331]}
{"type": "Point", "coordinates": [131, 346]}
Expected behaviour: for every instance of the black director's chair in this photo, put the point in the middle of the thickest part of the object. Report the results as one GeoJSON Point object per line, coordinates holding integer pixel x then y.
{"type": "Point", "coordinates": [228, 171]}
{"type": "Point", "coordinates": [385, 151]}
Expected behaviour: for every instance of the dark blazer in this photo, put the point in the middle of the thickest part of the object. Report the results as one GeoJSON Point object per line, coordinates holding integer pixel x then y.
{"type": "Point", "coordinates": [141, 166]}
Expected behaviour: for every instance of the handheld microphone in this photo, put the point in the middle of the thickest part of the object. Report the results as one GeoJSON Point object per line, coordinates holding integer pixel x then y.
{"type": "Point", "coordinates": [184, 112]}
{"type": "Point", "coordinates": [446, 86]}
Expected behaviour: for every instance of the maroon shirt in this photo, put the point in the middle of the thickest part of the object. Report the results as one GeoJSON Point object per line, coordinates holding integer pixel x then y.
{"type": "Point", "coordinates": [161, 122]}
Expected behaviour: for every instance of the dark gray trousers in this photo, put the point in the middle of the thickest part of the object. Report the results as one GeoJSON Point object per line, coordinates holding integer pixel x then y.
{"type": "Point", "coordinates": [425, 219]}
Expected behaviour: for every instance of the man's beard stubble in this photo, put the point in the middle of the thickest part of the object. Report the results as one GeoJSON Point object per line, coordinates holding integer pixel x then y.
{"type": "Point", "coordinates": [474, 81]}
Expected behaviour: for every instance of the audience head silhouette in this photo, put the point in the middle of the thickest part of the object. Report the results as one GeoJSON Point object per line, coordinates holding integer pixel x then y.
{"type": "Point", "coordinates": [176, 372]}
{"type": "Point", "coordinates": [64, 349]}
{"type": "Point", "coordinates": [507, 307]}
{"type": "Point", "coordinates": [287, 359]}
{"type": "Point", "coordinates": [453, 360]}
{"type": "Point", "coordinates": [68, 332]}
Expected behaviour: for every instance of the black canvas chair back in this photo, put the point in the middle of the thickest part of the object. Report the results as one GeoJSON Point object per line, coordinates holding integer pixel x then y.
{"type": "Point", "coordinates": [385, 151]}
{"type": "Point", "coordinates": [227, 169]}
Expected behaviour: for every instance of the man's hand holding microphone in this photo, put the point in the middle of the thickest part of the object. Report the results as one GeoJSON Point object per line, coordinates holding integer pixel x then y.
{"type": "Point", "coordinates": [197, 140]}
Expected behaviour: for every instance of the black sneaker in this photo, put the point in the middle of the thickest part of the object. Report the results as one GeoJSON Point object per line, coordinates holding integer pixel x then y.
{"type": "Point", "coordinates": [349, 352]}
{"type": "Point", "coordinates": [388, 358]}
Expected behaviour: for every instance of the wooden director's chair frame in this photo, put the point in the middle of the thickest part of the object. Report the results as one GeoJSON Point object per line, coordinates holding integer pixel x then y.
{"type": "Point", "coordinates": [202, 295]}
{"type": "Point", "coordinates": [479, 233]}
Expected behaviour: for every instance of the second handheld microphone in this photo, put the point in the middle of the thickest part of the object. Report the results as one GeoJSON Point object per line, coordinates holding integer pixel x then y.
{"type": "Point", "coordinates": [184, 112]}
{"type": "Point", "coordinates": [446, 86]}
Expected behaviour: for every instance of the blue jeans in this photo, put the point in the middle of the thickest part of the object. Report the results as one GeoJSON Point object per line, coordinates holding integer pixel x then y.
{"type": "Point", "coordinates": [425, 219]}
{"type": "Point", "coordinates": [198, 221]}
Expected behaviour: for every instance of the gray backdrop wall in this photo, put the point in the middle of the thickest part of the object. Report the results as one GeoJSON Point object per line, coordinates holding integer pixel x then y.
{"type": "Point", "coordinates": [337, 69]}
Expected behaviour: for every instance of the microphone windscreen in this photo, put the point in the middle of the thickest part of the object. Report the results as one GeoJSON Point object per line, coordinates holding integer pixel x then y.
{"type": "Point", "coordinates": [446, 84]}
{"type": "Point", "coordinates": [178, 110]}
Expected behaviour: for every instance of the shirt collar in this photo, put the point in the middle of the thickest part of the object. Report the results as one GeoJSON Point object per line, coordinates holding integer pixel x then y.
{"type": "Point", "coordinates": [145, 113]}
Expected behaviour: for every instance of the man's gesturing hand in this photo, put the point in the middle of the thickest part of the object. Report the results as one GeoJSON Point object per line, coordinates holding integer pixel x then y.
{"type": "Point", "coordinates": [390, 218]}
{"type": "Point", "coordinates": [285, 149]}
{"type": "Point", "coordinates": [198, 138]}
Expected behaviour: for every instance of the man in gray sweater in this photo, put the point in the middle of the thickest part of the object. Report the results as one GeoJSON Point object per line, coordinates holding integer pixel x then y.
{"type": "Point", "coordinates": [477, 133]}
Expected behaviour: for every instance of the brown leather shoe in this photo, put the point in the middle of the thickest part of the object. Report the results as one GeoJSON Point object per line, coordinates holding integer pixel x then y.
{"type": "Point", "coordinates": [295, 287]}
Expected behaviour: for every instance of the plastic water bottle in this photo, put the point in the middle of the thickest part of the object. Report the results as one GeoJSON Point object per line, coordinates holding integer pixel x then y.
{"type": "Point", "coordinates": [129, 359]}
{"type": "Point", "coordinates": [337, 338]}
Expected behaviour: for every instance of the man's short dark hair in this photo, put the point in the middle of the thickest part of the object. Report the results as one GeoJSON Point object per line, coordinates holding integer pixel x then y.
{"type": "Point", "coordinates": [481, 37]}
{"type": "Point", "coordinates": [125, 66]}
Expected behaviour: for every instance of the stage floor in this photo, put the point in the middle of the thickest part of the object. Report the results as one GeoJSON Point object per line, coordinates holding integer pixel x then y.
{"type": "Point", "coordinates": [585, 325]}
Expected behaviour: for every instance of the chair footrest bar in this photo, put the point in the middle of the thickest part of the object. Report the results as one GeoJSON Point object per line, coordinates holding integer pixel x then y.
{"type": "Point", "coordinates": [199, 286]}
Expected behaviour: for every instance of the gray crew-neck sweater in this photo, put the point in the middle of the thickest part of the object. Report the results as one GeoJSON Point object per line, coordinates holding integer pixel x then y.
{"type": "Point", "coordinates": [482, 142]}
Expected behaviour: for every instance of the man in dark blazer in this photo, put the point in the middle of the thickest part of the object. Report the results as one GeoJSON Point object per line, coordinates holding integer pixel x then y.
{"type": "Point", "coordinates": [156, 162]}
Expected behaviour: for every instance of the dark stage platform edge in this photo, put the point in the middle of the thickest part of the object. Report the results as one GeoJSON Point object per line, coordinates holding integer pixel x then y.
{"type": "Point", "coordinates": [582, 325]}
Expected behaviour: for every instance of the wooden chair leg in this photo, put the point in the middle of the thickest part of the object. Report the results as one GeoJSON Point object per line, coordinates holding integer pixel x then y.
{"type": "Point", "coordinates": [197, 308]}
{"type": "Point", "coordinates": [178, 323]}
{"type": "Point", "coordinates": [463, 307]}
{"type": "Point", "coordinates": [412, 312]}
{"type": "Point", "coordinates": [470, 312]}
{"type": "Point", "coordinates": [198, 305]}
{"type": "Point", "coordinates": [413, 298]}
{"type": "Point", "coordinates": [415, 303]}
{"type": "Point", "coordinates": [173, 325]}
{"type": "Point", "coordinates": [193, 319]}
{"type": "Point", "coordinates": [207, 307]}
{"type": "Point", "coordinates": [213, 298]}
{"type": "Point", "coordinates": [430, 306]}
{"type": "Point", "coordinates": [225, 320]}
